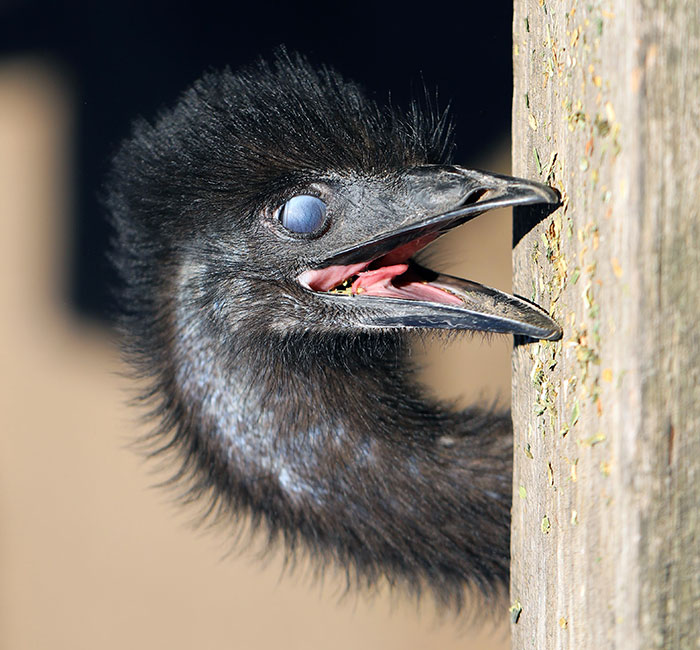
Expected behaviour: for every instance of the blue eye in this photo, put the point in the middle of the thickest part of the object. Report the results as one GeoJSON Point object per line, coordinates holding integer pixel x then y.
{"type": "Point", "coordinates": [303, 214]}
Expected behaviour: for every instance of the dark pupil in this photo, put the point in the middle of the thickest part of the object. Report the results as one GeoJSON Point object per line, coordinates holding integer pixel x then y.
{"type": "Point", "coordinates": [303, 214]}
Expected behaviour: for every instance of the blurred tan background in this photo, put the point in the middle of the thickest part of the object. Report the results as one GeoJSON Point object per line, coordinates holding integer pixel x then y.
{"type": "Point", "coordinates": [90, 555]}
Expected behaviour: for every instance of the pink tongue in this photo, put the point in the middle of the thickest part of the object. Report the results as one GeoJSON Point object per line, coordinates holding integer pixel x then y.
{"type": "Point", "coordinates": [375, 281]}
{"type": "Point", "coordinates": [331, 276]}
{"type": "Point", "coordinates": [378, 283]}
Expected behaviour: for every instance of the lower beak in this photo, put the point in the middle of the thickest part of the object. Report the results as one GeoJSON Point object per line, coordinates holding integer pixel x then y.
{"type": "Point", "coordinates": [484, 309]}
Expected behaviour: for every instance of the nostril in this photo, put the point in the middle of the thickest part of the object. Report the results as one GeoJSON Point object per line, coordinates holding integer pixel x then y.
{"type": "Point", "coordinates": [475, 195]}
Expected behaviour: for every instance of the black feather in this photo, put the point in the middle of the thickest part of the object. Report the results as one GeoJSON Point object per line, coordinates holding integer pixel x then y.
{"type": "Point", "coordinates": [311, 426]}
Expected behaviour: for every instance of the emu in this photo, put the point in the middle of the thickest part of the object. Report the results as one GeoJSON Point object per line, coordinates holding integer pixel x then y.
{"type": "Point", "coordinates": [266, 228]}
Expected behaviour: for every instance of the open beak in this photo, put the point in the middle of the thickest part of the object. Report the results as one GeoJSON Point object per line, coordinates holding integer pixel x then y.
{"type": "Point", "coordinates": [394, 291]}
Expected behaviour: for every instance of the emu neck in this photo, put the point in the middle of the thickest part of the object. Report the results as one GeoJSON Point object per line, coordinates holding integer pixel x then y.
{"type": "Point", "coordinates": [328, 437]}
{"type": "Point", "coordinates": [286, 401]}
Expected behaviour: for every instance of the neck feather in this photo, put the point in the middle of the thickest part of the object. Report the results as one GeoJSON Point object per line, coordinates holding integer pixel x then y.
{"type": "Point", "coordinates": [330, 442]}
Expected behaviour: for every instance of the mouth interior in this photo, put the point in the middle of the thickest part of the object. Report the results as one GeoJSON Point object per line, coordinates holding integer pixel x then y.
{"type": "Point", "coordinates": [393, 275]}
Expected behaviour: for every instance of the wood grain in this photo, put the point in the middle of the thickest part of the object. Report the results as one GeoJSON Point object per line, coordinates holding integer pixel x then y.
{"type": "Point", "coordinates": [606, 530]}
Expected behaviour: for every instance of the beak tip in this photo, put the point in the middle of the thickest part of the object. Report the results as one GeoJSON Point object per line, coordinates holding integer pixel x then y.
{"type": "Point", "coordinates": [555, 335]}
{"type": "Point", "coordinates": [553, 196]}
{"type": "Point", "coordinates": [544, 194]}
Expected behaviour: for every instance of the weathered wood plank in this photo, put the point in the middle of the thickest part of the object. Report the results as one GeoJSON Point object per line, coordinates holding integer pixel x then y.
{"type": "Point", "coordinates": [606, 523]}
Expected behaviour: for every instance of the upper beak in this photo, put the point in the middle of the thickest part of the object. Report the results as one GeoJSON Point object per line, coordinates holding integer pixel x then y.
{"type": "Point", "coordinates": [451, 196]}
{"type": "Point", "coordinates": [460, 193]}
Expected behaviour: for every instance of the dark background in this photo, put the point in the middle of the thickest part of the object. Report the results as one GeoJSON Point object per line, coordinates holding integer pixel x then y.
{"type": "Point", "coordinates": [131, 58]}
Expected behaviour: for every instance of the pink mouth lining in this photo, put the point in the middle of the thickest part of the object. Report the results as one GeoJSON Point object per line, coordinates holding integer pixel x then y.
{"type": "Point", "coordinates": [391, 277]}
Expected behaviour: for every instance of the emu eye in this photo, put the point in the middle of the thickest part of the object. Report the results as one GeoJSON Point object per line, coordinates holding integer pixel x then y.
{"type": "Point", "coordinates": [303, 214]}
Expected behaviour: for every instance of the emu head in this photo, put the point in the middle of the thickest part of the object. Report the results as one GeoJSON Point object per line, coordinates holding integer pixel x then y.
{"type": "Point", "coordinates": [281, 196]}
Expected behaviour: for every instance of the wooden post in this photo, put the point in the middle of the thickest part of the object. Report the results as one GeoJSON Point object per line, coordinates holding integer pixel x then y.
{"type": "Point", "coordinates": [606, 516]}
